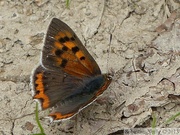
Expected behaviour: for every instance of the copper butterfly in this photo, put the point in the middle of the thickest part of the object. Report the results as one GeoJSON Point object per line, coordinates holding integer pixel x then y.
{"type": "Point", "coordinates": [68, 78]}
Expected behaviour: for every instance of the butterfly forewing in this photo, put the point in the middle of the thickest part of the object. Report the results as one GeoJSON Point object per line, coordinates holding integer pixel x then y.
{"type": "Point", "coordinates": [64, 50]}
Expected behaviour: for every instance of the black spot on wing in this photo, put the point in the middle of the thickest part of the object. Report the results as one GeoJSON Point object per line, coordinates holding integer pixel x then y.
{"type": "Point", "coordinates": [36, 84]}
{"type": "Point", "coordinates": [72, 39]}
{"type": "Point", "coordinates": [66, 38]}
{"type": "Point", "coordinates": [75, 49]}
{"type": "Point", "coordinates": [58, 52]}
{"type": "Point", "coordinates": [63, 63]}
{"type": "Point", "coordinates": [62, 40]}
{"type": "Point", "coordinates": [64, 48]}
{"type": "Point", "coordinates": [82, 58]}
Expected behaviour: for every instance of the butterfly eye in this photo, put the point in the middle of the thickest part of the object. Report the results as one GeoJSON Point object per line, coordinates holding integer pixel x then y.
{"type": "Point", "coordinates": [109, 76]}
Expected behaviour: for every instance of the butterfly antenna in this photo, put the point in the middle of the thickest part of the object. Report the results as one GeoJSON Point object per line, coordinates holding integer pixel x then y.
{"type": "Point", "coordinates": [109, 47]}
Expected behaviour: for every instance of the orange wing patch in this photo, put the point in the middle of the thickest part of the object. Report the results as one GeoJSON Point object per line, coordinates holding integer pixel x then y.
{"type": "Point", "coordinates": [59, 116]}
{"type": "Point", "coordinates": [40, 91]}
{"type": "Point", "coordinates": [69, 56]}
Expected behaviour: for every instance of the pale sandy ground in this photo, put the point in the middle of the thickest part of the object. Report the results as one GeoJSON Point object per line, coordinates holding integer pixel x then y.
{"type": "Point", "coordinates": [146, 62]}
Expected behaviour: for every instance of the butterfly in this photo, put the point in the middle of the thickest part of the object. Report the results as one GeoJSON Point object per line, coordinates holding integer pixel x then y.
{"type": "Point", "coordinates": [67, 78]}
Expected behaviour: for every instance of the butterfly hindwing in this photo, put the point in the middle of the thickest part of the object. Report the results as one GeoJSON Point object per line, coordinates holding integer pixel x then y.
{"type": "Point", "coordinates": [64, 50]}
{"type": "Point", "coordinates": [52, 86]}
{"type": "Point", "coordinates": [65, 93]}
